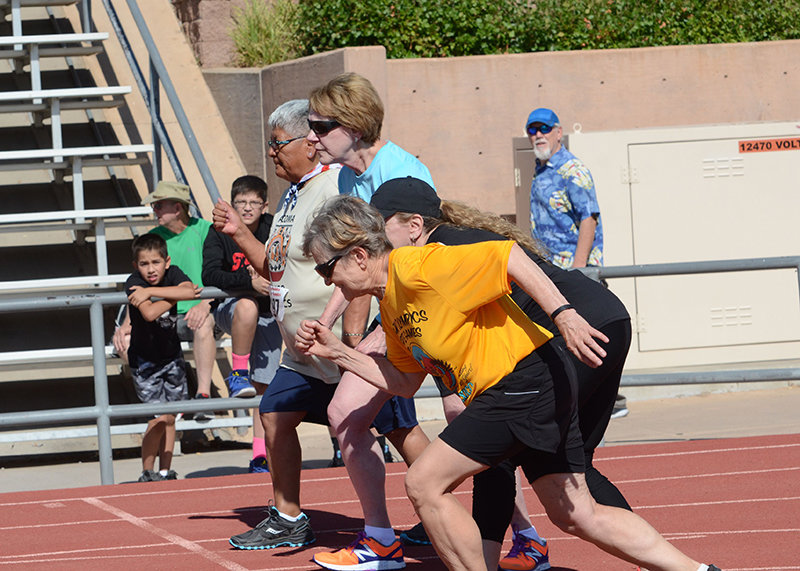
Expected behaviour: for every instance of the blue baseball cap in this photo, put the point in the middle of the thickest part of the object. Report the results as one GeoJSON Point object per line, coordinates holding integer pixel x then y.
{"type": "Point", "coordinates": [542, 115]}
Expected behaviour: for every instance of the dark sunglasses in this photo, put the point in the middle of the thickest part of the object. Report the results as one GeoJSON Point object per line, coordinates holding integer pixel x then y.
{"type": "Point", "coordinates": [543, 129]}
{"type": "Point", "coordinates": [325, 269]}
{"type": "Point", "coordinates": [323, 127]}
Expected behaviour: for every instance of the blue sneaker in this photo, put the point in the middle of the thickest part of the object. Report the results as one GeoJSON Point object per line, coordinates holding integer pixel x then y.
{"type": "Point", "coordinates": [258, 465]}
{"type": "Point", "coordinates": [239, 385]}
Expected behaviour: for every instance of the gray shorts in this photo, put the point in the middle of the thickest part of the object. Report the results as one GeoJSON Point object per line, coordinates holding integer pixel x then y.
{"type": "Point", "coordinates": [160, 382]}
{"type": "Point", "coordinates": [265, 353]}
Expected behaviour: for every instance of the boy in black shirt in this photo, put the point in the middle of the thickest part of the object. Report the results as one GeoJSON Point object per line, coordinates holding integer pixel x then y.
{"type": "Point", "coordinates": [155, 353]}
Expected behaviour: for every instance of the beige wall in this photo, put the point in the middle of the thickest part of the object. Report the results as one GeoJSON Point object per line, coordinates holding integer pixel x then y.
{"type": "Point", "coordinates": [459, 115]}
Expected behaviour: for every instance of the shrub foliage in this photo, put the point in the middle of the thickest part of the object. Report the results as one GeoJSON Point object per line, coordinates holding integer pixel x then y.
{"type": "Point", "coordinates": [436, 28]}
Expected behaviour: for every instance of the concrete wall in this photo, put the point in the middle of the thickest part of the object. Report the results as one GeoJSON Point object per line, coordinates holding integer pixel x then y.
{"type": "Point", "coordinates": [459, 115]}
{"type": "Point", "coordinates": [207, 24]}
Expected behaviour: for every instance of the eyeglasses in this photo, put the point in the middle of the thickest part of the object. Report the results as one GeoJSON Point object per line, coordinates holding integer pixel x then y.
{"type": "Point", "coordinates": [323, 127]}
{"type": "Point", "coordinates": [543, 129]}
{"type": "Point", "coordinates": [277, 145]}
{"type": "Point", "coordinates": [325, 269]}
{"type": "Point", "coordinates": [254, 204]}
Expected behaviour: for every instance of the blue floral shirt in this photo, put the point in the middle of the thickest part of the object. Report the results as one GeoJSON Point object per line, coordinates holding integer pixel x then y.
{"type": "Point", "coordinates": [562, 194]}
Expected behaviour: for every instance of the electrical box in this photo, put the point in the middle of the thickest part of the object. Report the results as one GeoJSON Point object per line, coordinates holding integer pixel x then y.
{"type": "Point", "coordinates": [700, 194]}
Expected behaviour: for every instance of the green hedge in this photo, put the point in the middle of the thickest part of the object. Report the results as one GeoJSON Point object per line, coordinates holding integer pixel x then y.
{"type": "Point", "coordinates": [433, 28]}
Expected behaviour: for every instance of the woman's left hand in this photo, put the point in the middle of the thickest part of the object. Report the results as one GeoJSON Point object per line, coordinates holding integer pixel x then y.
{"type": "Point", "coordinates": [581, 338]}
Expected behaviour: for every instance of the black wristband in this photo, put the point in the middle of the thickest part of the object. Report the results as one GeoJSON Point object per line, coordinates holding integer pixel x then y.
{"type": "Point", "coordinates": [559, 310]}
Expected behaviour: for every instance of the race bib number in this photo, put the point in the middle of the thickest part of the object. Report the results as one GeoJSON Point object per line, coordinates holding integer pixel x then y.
{"type": "Point", "coordinates": [277, 300]}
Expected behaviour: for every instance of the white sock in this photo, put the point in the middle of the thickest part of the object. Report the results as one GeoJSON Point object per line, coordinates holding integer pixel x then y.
{"type": "Point", "coordinates": [289, 517]}
{"type": "Point", "coordinates": [163, 472]}
{"type": "Point", "coordinates": [531, 533]}
{"type": "Point", "coordinates": [703, 567]}
{"type": "Point", "coordinates": [383, 535]}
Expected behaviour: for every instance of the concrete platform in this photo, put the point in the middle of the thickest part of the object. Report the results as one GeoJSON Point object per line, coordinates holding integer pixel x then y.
{"type": "Point", "coordinates": [709, 416]}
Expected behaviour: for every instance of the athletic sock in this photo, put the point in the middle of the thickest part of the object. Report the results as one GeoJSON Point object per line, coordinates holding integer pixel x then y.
{"type": "Point", "coordinates": [240, 362]}
{"type": "Point", "coordinates": [163, 473]}
{"type": "Point", "coordinates": [530, 533]}
{"type": "Point", "coordinates": [259, 448]}
{"type": "Point", "coordinates": [383, 535]}
{"type": "Point", "coordinates": [289, 517]}
{"type": "Point", "coordinates": [703, 567]}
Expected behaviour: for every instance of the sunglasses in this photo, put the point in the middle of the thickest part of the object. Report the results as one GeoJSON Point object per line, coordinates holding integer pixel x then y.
{"type": "Point", "coordinates": [323, 127]}
{"type": "Point", "coordinates": [277, 145]}
{"type": "Point", "coordinates": [325, 269]}
{"type": "Point", "coordinates": [543, 129]}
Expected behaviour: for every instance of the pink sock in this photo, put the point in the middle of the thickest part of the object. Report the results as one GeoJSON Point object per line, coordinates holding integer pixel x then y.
{"type": "Point", "coordinates": [259, 448]}
{"type": "Point", "coordinates": [240, 362]}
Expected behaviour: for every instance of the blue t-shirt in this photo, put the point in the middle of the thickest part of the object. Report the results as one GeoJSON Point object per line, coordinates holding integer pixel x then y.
{"type": "Point", "coordinates": [562, 194]}
{"type": "Point", "coordinates": [389, 163]}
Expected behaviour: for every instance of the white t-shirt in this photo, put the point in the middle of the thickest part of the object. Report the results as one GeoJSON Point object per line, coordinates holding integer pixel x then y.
{"type": "Point", "coordinates": [297, 291]}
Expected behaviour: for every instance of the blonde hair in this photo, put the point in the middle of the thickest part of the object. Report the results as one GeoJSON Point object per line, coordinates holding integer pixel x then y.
{"type": "Point", "coordinates": [343, 223]}
{"type": "Point", "coordinates": [457, 214]}
{"type": "Point", "coordinates": [353, 101]}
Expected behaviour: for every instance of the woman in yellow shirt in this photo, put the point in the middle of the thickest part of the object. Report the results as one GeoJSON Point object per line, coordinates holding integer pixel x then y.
{"type": "Point", "coordinates": [446, 311]}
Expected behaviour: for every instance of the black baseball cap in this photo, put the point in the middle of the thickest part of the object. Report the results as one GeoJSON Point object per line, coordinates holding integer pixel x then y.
{"type": "Point", "coordinates": [408, 194]}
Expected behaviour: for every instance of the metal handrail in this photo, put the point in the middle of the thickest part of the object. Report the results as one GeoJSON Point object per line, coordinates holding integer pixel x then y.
{"type": "Point", "coordinates": [103, 411]}
{"type": "Point", "coordinates": [150, 94]}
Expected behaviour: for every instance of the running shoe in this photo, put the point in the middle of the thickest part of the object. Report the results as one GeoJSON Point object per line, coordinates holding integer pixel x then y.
{"type": "Point", "coordinates": [239, 386]}
{"type": "Point", "coordinates": [620, 407]}
{"type": "Point", "coordinates": [364, 553]}
{"type": "Point", "coordinates": [713, 568]}
{"type": "Point", "coordinates": [526, 555]}
{"type": "Point", "coordinates": [258, 465]}
{"type": "Point", "coordinates": [337, 460]}
{"type": "Point", "coordinates": [275, 531]}
{"type": "Point", "coordinates": [415, 536]}
{"type": "Point", "coordinates": [171, 475]}
{"type": "Point", "coordinates": [150, 476]}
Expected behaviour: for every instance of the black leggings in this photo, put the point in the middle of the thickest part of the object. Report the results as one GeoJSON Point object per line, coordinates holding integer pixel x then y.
{"type": "Point", "coordinates": [494, 489]}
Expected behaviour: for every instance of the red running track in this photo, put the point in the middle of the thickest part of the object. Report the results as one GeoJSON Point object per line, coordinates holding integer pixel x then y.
{"type": "Point", "coordinates": [733, 502]}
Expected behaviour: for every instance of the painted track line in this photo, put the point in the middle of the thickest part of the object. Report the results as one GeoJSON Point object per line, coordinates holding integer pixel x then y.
{"type": "Point", "coordinates": [170, 537]}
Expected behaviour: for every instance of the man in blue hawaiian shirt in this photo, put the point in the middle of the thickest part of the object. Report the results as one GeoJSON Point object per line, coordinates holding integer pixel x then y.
{"type": "Point", "coordinates": [565, 215]}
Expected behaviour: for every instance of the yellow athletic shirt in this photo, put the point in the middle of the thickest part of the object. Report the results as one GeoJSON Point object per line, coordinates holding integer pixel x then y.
{"type": "Point", "coordinates": [446, 311]}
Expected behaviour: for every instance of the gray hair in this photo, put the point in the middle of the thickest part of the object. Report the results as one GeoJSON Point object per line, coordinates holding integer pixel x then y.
{"type": "Point", "coordinates": [343, 223]}
{"type": "Point", "coordinates": [292, 117]}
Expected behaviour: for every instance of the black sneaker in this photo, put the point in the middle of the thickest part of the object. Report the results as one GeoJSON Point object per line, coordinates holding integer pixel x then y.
{"type": "Point", "coordinates": [171, 475]}
{"type": "Point", "coordinates": [203, 416]}
{"type": "Point", "coordinates": [713, 568]}
{"type": "Point", "coordinates": [150, 476]}
{"type": "Point", "coordinates": [415, 536]}
{"type": "Point", "coordinates": [275, 531]}
{"type": "Point", "coordinates": [337, 460]}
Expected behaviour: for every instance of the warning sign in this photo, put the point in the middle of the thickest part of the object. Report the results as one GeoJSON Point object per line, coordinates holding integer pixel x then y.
{"type": "Point", "coordinates": [767, 145]}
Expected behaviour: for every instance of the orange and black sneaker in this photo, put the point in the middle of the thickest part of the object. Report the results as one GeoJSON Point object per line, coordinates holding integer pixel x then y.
{"type": "Point", "coordinates": [364, 553]}
{"type": "Point", "coordinates": [526, 555]}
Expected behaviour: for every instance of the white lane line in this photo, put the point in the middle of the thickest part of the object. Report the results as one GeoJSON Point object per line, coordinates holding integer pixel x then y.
{"type": "Point", "coordinates": [170, 537]}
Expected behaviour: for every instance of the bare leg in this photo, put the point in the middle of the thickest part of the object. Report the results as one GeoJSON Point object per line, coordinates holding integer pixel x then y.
{"type": "Point", "coordinates": [410, 442]}
{"type": "Point", "coordinates": [151, 442]}
{"type": "Point", "coordinates": [205, 351]}
{"type": "Point", "coordinates": [619, 532]}
{"type": "Point", "coordinates": [258, 426]}
{"type": "Point", "coordinates": [429, 484]}
{"type": "Point", "coordinates": [285, 457]}
{"type": "Point", "coordinates": [351, 412]}
{"type": "Point", "coordinates": [167, 448]}
{"type": "Point", "coordinates": [243, 329]}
